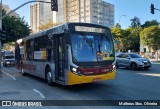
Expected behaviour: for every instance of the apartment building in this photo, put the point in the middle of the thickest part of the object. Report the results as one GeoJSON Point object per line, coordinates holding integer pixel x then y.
{"type": "Point", "coordinates": [92, 11]}
{"type": "Point", "coordinates": [7, 9]}
{"type": "Point", "coordinates": [36, 12]}
{"type": "Point", "coordinates": [40, 13]}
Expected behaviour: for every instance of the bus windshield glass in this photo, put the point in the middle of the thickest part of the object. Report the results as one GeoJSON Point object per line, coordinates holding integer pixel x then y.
{"type": "Point", "coordinates": [92, 47]}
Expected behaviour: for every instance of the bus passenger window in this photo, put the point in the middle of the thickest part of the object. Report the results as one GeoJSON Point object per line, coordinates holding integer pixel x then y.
{"type": "Point", "coordinates": [30, 49]}
{"type": "Point", "coordinates": [36, 47]}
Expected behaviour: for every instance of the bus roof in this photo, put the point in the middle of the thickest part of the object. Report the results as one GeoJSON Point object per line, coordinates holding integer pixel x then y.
{"type": "Point", "coordinates": [59, 29]}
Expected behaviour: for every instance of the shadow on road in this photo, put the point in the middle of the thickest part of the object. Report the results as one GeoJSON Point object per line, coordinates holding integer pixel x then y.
{"type": "Point", "coordinates": [78, 87]}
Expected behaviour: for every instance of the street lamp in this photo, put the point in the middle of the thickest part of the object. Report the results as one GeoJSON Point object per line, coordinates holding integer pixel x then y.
{"type": "Point", "coordinates": [121, 17]}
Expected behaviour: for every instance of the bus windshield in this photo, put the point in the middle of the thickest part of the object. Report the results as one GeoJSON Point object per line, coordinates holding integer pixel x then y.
{"type": "Point", "coordinates": [89, 47]}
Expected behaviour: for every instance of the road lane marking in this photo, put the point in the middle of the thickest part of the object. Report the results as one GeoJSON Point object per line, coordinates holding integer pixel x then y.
{"type": "Point", "coordinates": [37, 91]}
{"type": "Point", "coordinates": [9, 75]}
{"type": "Point", "coordinates": [158, 75]}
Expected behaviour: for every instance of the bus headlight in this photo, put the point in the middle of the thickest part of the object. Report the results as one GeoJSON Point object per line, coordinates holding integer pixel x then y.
{"type": "Point", "coordinates": [114, 66]}
{"type": "Point", "coordinates": [75, 70]}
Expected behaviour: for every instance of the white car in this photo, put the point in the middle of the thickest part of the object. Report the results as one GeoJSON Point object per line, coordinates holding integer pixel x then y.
{"type": "Point", "coordinates": [132, 60]}
{"type": "Point", "coordinates": [9, 60]}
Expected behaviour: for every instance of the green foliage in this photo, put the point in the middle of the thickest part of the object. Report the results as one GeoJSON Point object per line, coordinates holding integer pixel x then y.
{"type": "Point", "coordinates": [127, 39]}
{"type": "Point", "coordinates": [151, 37]}
{"type": "Point", "coordinates": [150, 23]}
{"type": "Point", "coordinates": [135, 22]}
{"type": "Point", "coordinates": [134, 39]}
{"type": "Point", "coordinates": [117, 35]}
{"type": "Point", "coordinates": [15, 28]}
{"type": "Point", "coordinates": [118, 25]}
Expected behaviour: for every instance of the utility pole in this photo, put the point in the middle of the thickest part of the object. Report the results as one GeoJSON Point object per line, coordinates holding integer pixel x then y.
{"type": "Point", "coordinates": [0, 39]}
{"type": "Point", "coordinates": [2, 17]}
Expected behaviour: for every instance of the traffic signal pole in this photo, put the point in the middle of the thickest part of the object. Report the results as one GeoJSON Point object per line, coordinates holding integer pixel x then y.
{"type": "Point", "coordinates": [152, 8]}
{"type": "Point", "coordinates": [2, 17]}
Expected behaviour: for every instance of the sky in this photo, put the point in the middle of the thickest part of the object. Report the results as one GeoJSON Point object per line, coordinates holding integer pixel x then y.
{"type": "Point", "coordinates": [129, 8]}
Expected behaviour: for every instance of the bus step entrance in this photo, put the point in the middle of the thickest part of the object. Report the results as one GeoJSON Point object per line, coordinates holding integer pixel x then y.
{"type": "Point", "coordinates": [61, 78]}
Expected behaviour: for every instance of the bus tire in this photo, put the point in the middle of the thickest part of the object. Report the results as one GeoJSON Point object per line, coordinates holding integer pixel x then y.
{"type": "Point", "coordinates": [22, 70]}
{"type": "Point", "coordinates": [48, 76]}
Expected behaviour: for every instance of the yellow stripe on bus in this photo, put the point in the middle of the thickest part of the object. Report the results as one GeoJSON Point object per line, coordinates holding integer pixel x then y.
{"type": "Point", "coordinates": [75, 79]}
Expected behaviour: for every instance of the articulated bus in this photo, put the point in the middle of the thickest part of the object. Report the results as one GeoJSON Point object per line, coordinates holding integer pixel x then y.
{"type": "Point", "coordinates": [68, 54]}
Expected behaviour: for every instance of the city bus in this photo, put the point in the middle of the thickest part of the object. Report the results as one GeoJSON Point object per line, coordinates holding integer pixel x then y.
{"type": "Point", "coordinates": [69, 54]}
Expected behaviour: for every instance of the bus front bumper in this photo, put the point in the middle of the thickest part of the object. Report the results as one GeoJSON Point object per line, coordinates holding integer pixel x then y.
{"type": "Point", "coordinates": [75, 79]}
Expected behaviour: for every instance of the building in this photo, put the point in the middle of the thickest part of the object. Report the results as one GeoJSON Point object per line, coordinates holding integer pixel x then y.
{"type": "Point", "coordinates": [36, 13]}
{"type": "Point", "coordinates": [92, 11]}
{"type": "Point", "coordinates": [7, 9]}
{"type": "Point", "coordinates": [149, 53]}
{"type": "Point", "coordinates": [40, 13]}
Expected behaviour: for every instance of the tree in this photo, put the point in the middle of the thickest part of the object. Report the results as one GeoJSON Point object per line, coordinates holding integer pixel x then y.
{"type": "Point", "coordinates": [135, 22]}
{"type": "Point", "coordinates": [9, 46]}
{"type": "Point", "coordinates": [150, 23]}
{"type": "Point", "coordinates": [49, 24]}
{"type": "Point", "coordinates": [151, 37]}
{"type": "Point", "coordinates": [118, 25]}
{"type": "Point", "coordinates": [119, 38]}
{"type": "Point", "coordinates": [15, 28]}
{"type": "Point", "coordinates": [127, 39]}
{"type": "Point", "coordinates": [134, 38]}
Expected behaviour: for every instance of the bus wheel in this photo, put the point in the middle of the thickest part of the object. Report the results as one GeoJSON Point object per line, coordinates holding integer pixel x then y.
{"type": "Point", "coordinates": [49, 76]}
{"type": "Point", "coordinates": [22, 70]}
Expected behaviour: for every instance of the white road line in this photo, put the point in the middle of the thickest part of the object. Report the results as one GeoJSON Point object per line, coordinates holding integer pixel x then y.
{"type": "Point", "coordinates": [9, 75]}
{"type": "Point", "coordinates": [37, 91]}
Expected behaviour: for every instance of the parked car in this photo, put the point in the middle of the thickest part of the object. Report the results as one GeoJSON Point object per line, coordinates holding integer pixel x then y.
{"type": "Point", "coordinates": [9, 60]}
{"type": "Point", "coordinates": [132, 60]}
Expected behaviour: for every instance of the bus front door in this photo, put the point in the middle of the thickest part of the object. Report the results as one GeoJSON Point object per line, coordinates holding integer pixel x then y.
{"type": "Point", "coordinates": [59, 58]}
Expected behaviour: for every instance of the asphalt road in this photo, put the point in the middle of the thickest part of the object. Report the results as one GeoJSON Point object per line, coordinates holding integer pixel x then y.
{"type": "Point", "coordinates": [128, 85]}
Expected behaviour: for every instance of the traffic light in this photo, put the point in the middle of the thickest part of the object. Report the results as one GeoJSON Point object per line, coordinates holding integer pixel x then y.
{"type": "Point", "coordinates": [54, 5]}
{"type": "Point", "coordinates": [2, 35]}
{"type": "Point", "coordinates": [152, 8]}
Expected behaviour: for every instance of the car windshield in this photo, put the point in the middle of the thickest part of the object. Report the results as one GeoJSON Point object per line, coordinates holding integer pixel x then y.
{"type": "Point", "coordinates": [88, 47]}
{"type": "Point", "coordinates": [9, 57]}
{"type": "Point", "coordinates": [134, 56]}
